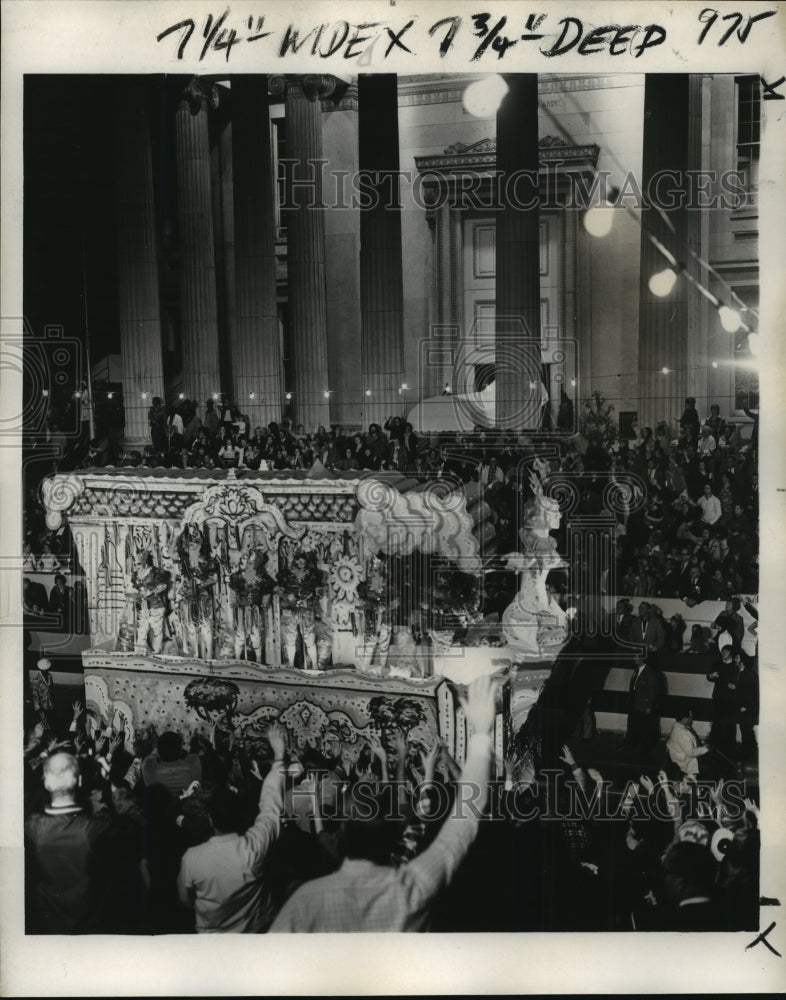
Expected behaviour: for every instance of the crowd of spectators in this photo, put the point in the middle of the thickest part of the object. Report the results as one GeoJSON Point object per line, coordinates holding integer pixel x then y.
{"type": "Point", "coordinates": [692, 533]}
{"type": "Point", "coordinates": [173, 834]}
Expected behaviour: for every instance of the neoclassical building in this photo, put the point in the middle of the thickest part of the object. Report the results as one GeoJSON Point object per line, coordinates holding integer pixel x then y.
{"type": "Point", "coordinates": [339, 249]}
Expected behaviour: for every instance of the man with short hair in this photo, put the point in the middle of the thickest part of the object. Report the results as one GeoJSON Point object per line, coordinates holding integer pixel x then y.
{"type": "Point", "coordinates": [221, 880]}
{"type": "Point", "coordinates": [64, 889]}
{"type": "Point", "coordinates": [169, 766]}
{"type": "Point", "coordinates": [369, 894]}
{"type": "Point", "coordinates": [710, 506]}
{"type": "Point", "coordinates": [689, 877]}
{"type": "Point", "coordinates": [643, 729]}
{"type": "Point", "coordinates": [647, 630]}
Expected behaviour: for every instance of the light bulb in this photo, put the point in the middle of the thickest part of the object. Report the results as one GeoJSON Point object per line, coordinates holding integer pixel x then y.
{"type": "Point", "coordinates": [368, 392]}
{"type": "Point", "coordinates": [288, 395]}
{"type": "Point", "coordinates": [754, 344]}
{"type": "Point", "coordinates": [404, 386]}
{"type": "Point", "coordinates": [252, 395]}
{"type": "Point", "coordinates": [665, 370]}
{"type": "Point", "coordinates": [215, 395]}
{"type": "Point", "coordinates": [730, 319]}
{"type": "Point", "coordinates": [714, 364]}
{"type": "Point", "coordinates": [44, 392]}
{"type": "Point", "coordinates": [599, 219]}
{"type": "Point", "coordinates": [181, 395]}
{"type": "Point", "coordinates": [483, 97]}
{"type": "Point", "coordinates": [662, 282]}
{"type": "Point", "coordinates": [110, 395]}
{"type": "Point", "coordinates": [326, 393]}
{"type": "Point", "coordinates": [144, 395]}
{"type": "Point", "coordinates": [573, 381]}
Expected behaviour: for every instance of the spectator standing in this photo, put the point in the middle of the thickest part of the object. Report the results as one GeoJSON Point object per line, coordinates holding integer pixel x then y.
{"type": "Point", "coordinates": [747, 703]}
{"type": "Point", "coordinates": [646, 630]}
{"type": "Point", "coordinates": [723, 676]}
{"type": "Point", "coordinates": [710, 506]}
{"type": "Point", "coordinates": [367, 893]}
{"type": "Point", "coordinates": [221, 880]}
{"type": "Point", "coordinates": [643, 729]}
{"type": "Point", "coordinates": [42, 692]}
{"type": "Point", "coordinates": [65, 891]}
{"type": "Point", "coordinates": [689, 421]}
{"type": "Point", "coordinates": [685, 748]}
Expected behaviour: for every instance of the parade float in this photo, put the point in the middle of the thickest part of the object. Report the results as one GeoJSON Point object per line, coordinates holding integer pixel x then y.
{"type": "Point", "coordinates": [231, 598]}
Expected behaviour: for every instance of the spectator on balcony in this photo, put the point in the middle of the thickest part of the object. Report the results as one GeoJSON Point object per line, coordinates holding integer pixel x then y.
{"type": "Point", "coordinates": [714, 421]}
{"type": "Point", "coordinates": [730, 621]}
{"type": "Point", "coordinates": [647, 630]}
{"type": "Point", "coordinates": [489, 474]}
{"type": "Point", "coordinates": [689, 421]}
{"type": "Point", "coordinates": [709, 505]}
{"type": "Point", "coordinates": [707, 444]}
{"type": "Point", "coordinates": [212, 419]}
{"type": "Point", "coordinates": [624, 618]}
{"type": "Point", "coordinates": [60, 600]}
{"type": "Point", "coordinates": [694, 590]}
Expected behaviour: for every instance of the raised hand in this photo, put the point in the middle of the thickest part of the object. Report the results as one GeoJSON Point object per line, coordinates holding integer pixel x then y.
{"type": "Point", "coordinates": [376, 746]}
{"type": "Point", "coordinates": [276, 737]}
{"type": "Point", "coordinates": [647, 783]}
{"type": "Point", "coordinates": [480, 705]}
{"type": "Point", "coordinates": [567, 755]}
{"type": "Point", "coordinates": [78, 709]}
{"type": "Point", "coordinates": [429, 761]}
{"type": "Point", "coordinates": [400, 744]}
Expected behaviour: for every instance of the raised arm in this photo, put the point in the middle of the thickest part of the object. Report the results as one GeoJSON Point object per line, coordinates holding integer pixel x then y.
{"type": "Point", "coordinates": [433, 869]}
{"type": "Point", "coordinates": [261, 835]}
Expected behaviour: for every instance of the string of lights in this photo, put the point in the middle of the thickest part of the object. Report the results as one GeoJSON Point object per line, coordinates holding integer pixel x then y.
{"type": "Point", "coordinates": [662, 282]}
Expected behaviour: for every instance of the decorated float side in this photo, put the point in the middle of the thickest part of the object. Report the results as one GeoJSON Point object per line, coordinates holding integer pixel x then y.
{"type": "Point", "coordinates": [329, 602]}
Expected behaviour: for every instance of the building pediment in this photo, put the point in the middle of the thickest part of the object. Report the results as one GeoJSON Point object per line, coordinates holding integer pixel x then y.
{"type": "Point", "coordinates": [482, 155]}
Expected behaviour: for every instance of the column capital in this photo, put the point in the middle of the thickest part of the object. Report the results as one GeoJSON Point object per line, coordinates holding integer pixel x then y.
{"type": "Point", "coordinates": [198, 95]}
{"type": "Point", "coordinates": [311, 87]}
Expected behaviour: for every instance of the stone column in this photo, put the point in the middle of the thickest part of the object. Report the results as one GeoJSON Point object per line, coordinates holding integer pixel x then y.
{"type": "Point", "coordinates": [381, 286]}
{"type": "Point", "coordinates": [518, 358]}
{"type": "Point", "coordinates": [663, 321]}
{"type": "Point", "coordinates": [198, 305]}
{"type": "Point", "coordinates": [255, 346]}
{"type": "Point", "coordinates": [303, 214]}
{"type": "Point", "coordinates": [138, 290]}
{"type": "Point", "coordinates": [699, 347]}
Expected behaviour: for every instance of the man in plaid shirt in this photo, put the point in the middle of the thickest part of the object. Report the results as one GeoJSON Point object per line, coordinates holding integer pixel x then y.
{"type": "Point", "coordinates": [366, 894]}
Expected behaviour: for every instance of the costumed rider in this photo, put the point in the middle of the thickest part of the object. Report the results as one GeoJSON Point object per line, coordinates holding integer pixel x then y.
{"type": "Point", "coordinates": [149, 592]}
{"type": "Point", "coordinates": [251, 589]}
{"type": "Point", "coordinates": [196, 595]}
{"type": "Point", "coordinates": [534, 624]}
{"type": "Point", "coordinates": [379, 606]}
{"type": "Point", "coordinates": [299, 586]}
